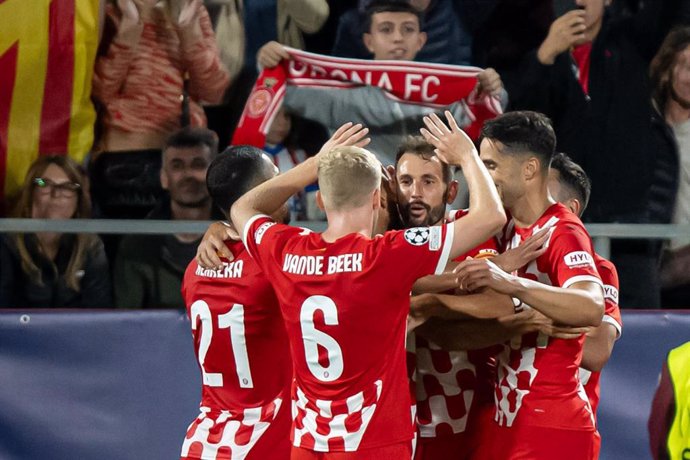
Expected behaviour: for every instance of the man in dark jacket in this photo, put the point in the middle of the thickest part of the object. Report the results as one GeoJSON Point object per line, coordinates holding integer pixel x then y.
{"type": "Point", "coordinates": [149, 269]}
{"type": "Point", "coordinates": [590, 76]}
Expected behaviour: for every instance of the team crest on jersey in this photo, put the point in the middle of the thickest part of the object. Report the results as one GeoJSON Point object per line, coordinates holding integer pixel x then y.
{"type": "Point", "coordinates": [259, 233]}
{"type": "Point", "coordinates": [417, 236]}
{"type": "Point", "coordinates": [577, 259]}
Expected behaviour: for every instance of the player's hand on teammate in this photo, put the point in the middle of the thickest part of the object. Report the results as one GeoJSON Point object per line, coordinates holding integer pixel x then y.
{"type": "Point", "coordinates": [564, 33]}
{"type": "Point", "coordinates": [489, 82]}
{"type": "Point", "coordinates": [563, 332]}
{"type": "Point", "coordinates": [452, 144]}
{"type": "Point", "coordinates": [349, 134]}
{"type": "Point", "coordinates": [422, 307]}
{"type": "Point", "coordinates": [476, 274]}
{"type": "Point", "coordinates": [212, 247]}
{"type": "Point", "coordinates": [530, 249]}
{"type": "Point", "coordinates": [271, 54]}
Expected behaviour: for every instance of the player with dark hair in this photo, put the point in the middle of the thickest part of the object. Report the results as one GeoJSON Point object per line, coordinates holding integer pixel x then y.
{"type": "Point", "coordinates": [345, 295]}
{"type": "Point", "coordinates": [541, 411]}
{"type": "Point", "coordinates": [569, 185]}
{"type": "Point", "coordinates": [239, 336]}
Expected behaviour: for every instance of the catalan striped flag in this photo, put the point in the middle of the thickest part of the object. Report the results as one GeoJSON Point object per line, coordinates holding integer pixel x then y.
{"type": "Point", "coordinates": [47, 54]}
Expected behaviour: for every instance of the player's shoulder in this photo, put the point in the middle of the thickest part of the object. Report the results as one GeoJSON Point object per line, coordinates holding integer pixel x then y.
{"type": "Point", "coordinates": [605, 266]}
{"type": "Point", "coordinates": [414, 237]}
{"type": "Point", "coordinates": [260, 225]}
{"type": "Point", "coordinates": [565, 224]}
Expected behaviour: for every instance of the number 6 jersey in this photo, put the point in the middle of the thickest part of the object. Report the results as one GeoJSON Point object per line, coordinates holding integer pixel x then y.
{"type": "Point", "coordinates": [345, 305]}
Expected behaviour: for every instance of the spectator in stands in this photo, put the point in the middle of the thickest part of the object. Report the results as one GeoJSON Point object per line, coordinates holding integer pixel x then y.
{"type": "Point", "coordinates": [394, 34]}
{"type": "Point", "coordinates": [669, 420]}
{"type": "Point", "coordinates": [149, 269]}
{"type": "Point", "coordinates": [158, 62]}
{"type": "Point", "coordinates": [588, 76]}
{"type": "Point", "coordinates": [670, 78]}
{"type": "Point", "coordinates": [242, 27]}
{"type": "Point", "coordinates": [50, 269]}
{"type": "Point", "coordinates": [448, 25]}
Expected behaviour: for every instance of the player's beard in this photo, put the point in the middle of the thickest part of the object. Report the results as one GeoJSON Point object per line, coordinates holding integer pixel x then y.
{"type": "Point", "coordinates": [432, 216]}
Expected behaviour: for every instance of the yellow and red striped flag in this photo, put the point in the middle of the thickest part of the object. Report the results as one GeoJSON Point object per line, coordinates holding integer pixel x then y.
{"type": "Point", "coordinates": [47, 54]}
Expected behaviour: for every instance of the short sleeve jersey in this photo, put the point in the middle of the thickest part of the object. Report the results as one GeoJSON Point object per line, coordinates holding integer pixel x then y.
{"type": "Point", "coordinates": [538, 383]}
{"type": "Point", "coordinates": [239, 335]}
{"type": "Point", "coordinates": [612, 316]}
{"type": "Point", "coordinates": [345, 304]}
{"type": "Point", "coordinates": [450, 384]}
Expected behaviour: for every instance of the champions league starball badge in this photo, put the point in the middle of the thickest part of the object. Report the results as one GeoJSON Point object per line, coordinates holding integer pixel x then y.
{"type": "Point", "coordinates": [417, 236]}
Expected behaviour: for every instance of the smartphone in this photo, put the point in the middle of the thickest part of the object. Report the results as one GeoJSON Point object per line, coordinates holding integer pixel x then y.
{"type": "Point", "coordinates": [560, 7]}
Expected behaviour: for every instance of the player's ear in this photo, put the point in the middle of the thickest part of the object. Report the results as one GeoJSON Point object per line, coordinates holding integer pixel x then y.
{"type": "Point", "coordinates": [319, 201]}
{"type": "Point", "coordinates": [575, 206]}
{"type": "Point", "coordinates": [376, 199]}
{"type": "Point", "coordinates": [452, 191]}
{"type": "Point", "coordinates": [531, 168]}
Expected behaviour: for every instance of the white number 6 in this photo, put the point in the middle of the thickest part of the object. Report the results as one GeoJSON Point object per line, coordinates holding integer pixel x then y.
{"type": "Point", "coordinates": [312, 338]}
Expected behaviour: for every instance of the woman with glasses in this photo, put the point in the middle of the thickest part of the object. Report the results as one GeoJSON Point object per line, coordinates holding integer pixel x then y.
{"type": "Point", "coordinates": [53, 270]}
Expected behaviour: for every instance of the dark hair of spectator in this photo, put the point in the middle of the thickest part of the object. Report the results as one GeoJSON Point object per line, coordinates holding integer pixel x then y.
{"type": "Point", "coordinates": [417, 145]}
{"type": "Point", "coordinates": [661, 69]}
{"type": "Point", "coordinates": [234, 172]}
{"type": "Point", "coordinates": [23, 209]}
{"type": "Point", "coordinates": [389, 6]}
{"type": "Point", "coordinates": [193, 137]}
{"type": "Point", "coordinates": [523, 132]}
{"type": "Point", "coordinates": [572, 176]}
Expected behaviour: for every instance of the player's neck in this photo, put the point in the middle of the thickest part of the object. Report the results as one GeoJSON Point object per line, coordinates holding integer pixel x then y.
{"type": "Point", "coordinates": [342, 223]}
{"type": "Point", "coordinates": [531, 206]}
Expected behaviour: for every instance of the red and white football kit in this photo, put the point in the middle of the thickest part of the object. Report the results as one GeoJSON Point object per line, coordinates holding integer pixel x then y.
{"type": "Point", "coordinates": [242, 348]}
{"type": "Point", "coordinates": [345, 306]}
{"type": "Point", "coordinates": [453, 388]}
{"type": "Point", "coordinates": [612, 316]}
{"type": "Point", "coordinates": [541, 410]}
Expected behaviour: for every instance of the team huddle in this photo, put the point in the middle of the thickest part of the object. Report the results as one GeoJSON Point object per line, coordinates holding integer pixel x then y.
{"type": "Point", "coordinates": [403, 331]}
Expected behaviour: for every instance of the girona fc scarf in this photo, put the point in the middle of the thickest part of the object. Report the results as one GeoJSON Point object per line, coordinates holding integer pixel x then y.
{"type": "Point", "coordinates": [431, 85]}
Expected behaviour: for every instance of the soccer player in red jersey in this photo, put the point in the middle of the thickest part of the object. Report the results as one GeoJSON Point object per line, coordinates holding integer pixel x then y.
{"type": "Point", "coordinates": [449, 385]}
{"type": "Point", "coordinates": [239, 337]}
{"type": "Point", "coordinates": [541, 412]}
{"type": "Point", "coordinates": [569, 184]}
{"type": "Point", "coordinates": [345, 295]}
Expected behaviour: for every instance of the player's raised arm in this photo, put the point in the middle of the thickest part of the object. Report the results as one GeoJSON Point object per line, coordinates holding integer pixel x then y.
{"type": "Point", "coordinates": [269, 196]}
{"type": "Point", "coordinates": [486, 215]}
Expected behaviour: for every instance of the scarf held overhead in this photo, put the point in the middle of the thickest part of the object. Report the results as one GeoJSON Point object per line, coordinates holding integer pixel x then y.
{"type": "Point", "coordinates": [431, 85]}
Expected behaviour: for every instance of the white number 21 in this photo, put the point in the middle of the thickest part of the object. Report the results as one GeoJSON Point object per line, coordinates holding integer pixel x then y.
{"type": "Point", "coordinates": [233, 320]}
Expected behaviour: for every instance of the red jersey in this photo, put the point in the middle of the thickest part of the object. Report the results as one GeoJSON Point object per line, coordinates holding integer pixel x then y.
{"type": "Point", "coordinates": [612, 316]}
{"type": "Point", "coordinates": [537, 375]}
{"type": "Point", "coordinates": [242, 348]}
{"type": "Point", "coordinates": [451, 383]}
{"type": "Point", "coordinates": [345, 305]}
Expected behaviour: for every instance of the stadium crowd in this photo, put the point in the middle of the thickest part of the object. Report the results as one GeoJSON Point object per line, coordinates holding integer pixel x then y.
{"type": "Point", "coordinates": [451, 149]}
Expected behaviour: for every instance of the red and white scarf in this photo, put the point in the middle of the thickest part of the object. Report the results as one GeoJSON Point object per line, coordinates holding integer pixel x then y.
{"type": "Point", "coordinates": [431, 85]}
